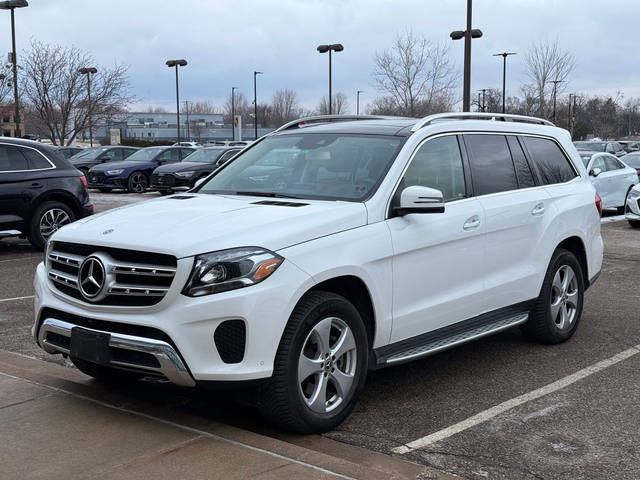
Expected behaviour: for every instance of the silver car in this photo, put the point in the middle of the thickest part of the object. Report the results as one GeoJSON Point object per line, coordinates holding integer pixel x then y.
{"type": "Point", "coordinates": [611, 177]}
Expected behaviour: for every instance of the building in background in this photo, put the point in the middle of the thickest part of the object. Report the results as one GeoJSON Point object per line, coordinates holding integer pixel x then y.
{"type": "Point", "coordinates": [8, 122]}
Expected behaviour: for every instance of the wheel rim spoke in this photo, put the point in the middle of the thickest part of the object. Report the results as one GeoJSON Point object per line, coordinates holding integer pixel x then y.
{"type": "Point", "coordinates": [318, 400]}
{"type": "Point", "coordinates": [568, 278]}
{"type": "Point", "coordinates": [555, 309]}
{"type": "Point", "coordinates": [572, 299]}
{"type": "Point", "coordinates": [557, 281]}
{"type": "Point", "coordinates": [342, 381]}
{"type": "Point", "coordinates": [344, 344]}
{"type": "Point", "coordinates": [308, 366]}
{"type": "Point", "coordinates": [322, 334]}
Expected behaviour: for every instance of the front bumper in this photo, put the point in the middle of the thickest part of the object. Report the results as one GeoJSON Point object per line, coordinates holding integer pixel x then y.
{"type": "Point", "coordinates": [187, 325]}
{"type": "Point", "coordinates": [169, 182]}
{"type": "Point", "coordinates": [103, 181]}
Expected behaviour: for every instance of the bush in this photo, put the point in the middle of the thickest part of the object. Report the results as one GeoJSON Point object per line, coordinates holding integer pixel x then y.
{"type": "Point", "coordinates": [137, 142]}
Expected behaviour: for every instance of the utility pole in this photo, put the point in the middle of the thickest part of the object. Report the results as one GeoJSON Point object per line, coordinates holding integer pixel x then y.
{"type": "Point", "coordinates": [88, 71]}
{"type": "Point", "coordinates": [175, 64]}
{"type": "Point", "coordinates": [358, 101]}
{"type": "Point", "coordinates": [555, 87]}
{"type": "Point", "coordinates": [233, 112]}
{"type": "Point", "coordinates": [467, 34]}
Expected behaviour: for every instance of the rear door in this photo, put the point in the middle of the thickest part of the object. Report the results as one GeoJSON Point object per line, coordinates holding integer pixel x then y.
{"type": "Point", "coordinates": [600, 181]}
{"type": "Point", "coordinates": [621, 178]}
{"type": "Point", "coordinates": [515, 208]}
{"type": "Point", "coordinates": [438, 258]}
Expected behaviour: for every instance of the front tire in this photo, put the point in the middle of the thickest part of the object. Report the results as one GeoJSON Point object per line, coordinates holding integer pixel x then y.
{"type": "Point", "coordinates": [624, 205]}
{"type": "Point", "coordinates": [634, 223]}
{"type": "Point", "coordinates": [556, 313]}
{"type": "Point", "coordinates": [46, 220]}
{"type": "Point", "coordinates": [320, 365]}
{"type": "Point", "coordinates": [138, 182]}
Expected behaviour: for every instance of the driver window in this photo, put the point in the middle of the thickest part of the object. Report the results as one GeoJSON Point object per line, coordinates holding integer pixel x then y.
{"type": "Point", "coordinates": [437, 164]}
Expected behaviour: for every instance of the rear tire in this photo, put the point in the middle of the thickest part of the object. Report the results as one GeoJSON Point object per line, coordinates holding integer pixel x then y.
{"type": "Point", "coordinates": [103, 373]}
{"type": "Point", "coordinates": [556, 313]}
{"type": "Point", "coordinates": [320, 366]}
{"type": "Point", "coordinates": [47, 219]}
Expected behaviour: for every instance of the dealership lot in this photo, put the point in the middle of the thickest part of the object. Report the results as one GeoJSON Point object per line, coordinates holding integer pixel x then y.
{"type": "Point", "coordinates": [462, 411]}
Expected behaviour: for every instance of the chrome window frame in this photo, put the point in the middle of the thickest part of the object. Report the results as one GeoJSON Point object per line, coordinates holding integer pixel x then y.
{"type": "Point", "coordinates": [52, 167]}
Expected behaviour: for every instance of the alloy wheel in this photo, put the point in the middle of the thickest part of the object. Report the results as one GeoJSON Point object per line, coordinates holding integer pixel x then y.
{"type": "Point", "coordinates": [139, 182]}
{"type": "Point", "coordinates": [564, 297]}
{"type": "Point", "coordinates": [52, 220]}
{"type": "Point", "coordinates": [327, 365]}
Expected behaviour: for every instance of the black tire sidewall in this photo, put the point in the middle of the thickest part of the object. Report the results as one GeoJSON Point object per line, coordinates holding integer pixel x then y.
{"type": "Point", "coordinates": [129, 187]}
{"type": "Point", "coordinates": [35, 237]}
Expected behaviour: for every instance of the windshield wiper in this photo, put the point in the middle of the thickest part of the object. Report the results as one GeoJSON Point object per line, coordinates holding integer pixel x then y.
{"type": "Point", "coordinates": [264, 194]}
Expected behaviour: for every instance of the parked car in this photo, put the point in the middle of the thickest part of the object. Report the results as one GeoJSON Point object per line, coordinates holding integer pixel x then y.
{"type": "Point", "coordinates": [384, 240]}
{"type": "Point", "coordinates": [39, 191]}
{"type": "Point", "coordinates": [134, 173]}
{"type": "Point", "coordinates": [632, 210]}
{"type": "Point", "coordinates": [632, 160]}
{"type": "Point", "coordinates": [611, 177]}
{"type": "Point", "coordinates": [629, 146]}
{"type": "Point", "coordinates": [68, 152]}
{"type": "Point", "coordinates": [91, 157]}
{"type": "Point", "coordinates": [186, 144]}
{"type": "Point", "coordinates": [613, 148]}
{"type": "Point", "coordinates": [183, 175]}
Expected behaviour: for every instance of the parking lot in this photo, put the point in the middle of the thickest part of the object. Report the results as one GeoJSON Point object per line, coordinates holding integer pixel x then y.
{"type": "Point", "coordinates": [500, 407]}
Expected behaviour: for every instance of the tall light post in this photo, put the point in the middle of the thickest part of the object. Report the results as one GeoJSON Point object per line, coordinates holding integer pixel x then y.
{"type": "Point", "coordinates": [335, 47]}
{"type": "Point", "coordinates": [555, 89]}
{"type": "Point", "coordinates": [186, 106]}
{"type": "Point", "coordinates": [12, 5]}
{"type": "Point", "coordinates": [504, 56]}
{"type": "Point", "coordinates": [255, 104]}
{"type": "Point", "coordinates": [177, 63]}
{"type": "Point", "coordinates": [233, 112]}
{"type": "Point", "coordinates": [467, 34]}
{"type": "Point", "coordinates": [88, 71]}
{"type": "Point", "coordinates": [358, 101]}
{"type": "Point", "coordinates": [483, 91]}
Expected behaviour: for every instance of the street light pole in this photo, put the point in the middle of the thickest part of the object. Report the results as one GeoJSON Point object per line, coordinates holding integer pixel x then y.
{"type": "Point", "coordinates": [467, 34]}
{"type": "Point", "coordinates": [504, 56]}
{"type": "Point", "coordinates": [186, 104]}
{"type": "Point", "coordinates": [176, 64]}
{"type": "Point", "coordinates": [335, 47]}
{"type": "Point", "coordinates": [12, 5]}
{"type": "Point", "coordinates": [255, 105]}
{"type": "Point", "coordinates": [555, 86]}
{"type": "Point", "coordinates": [88, 71]}
{"type": "Point", "coordinates": [233, 113]}
{"type": "Point", "coordinates": [358, 101]}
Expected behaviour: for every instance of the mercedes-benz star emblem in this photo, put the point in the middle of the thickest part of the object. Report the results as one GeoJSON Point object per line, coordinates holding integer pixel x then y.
{"type": "Point", "coordinates": [91, 277]}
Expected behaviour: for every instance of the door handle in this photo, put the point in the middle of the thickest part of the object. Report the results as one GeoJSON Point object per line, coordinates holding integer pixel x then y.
{"type": "Point", "coordinates": [538, 209]}
{"type": "Point", "coordinates": [471, 223]}
{"type": "Point", "coordinates": [36, 185]}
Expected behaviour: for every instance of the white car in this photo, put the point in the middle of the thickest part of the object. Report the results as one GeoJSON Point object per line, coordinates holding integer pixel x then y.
{"type": "Point", "coordinates": [330, 247]}
{"type": "Point", "coordinates": [632, 210]}
{"type": "Point", "coordinates": [612, 178]}
{"type": "Point", "coordinates": [186, 144]}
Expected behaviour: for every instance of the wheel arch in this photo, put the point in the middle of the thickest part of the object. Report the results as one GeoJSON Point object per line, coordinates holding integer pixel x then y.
{"type": "Point", "coordinates": [58, 196]}
{"type": "Point", "coordinates": [575, 245]}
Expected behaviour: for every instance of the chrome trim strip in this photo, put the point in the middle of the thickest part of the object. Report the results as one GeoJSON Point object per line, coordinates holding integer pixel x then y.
{"type": "Point", "coordinates": [143, 269]}
{"type": "Point", "coordinates": [66, 258]}
{"type": "Point", "coordinates": [480, 116]}
{"type": "Point", "coordinates": [171, 365]}
{"type": "Point", "coordinates": [63, 278]}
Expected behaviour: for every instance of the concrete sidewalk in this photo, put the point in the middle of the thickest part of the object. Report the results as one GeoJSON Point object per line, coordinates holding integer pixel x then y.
{"type": "Point", "coordinates": [55, 423]}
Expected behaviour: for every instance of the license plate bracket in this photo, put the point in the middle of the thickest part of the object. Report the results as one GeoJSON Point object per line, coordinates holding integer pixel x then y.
{"type": "Point", "coordinates": [90, 345]}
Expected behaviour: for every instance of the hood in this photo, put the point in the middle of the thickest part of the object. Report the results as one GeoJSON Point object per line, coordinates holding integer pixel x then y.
{"type": "Point", "coordinates": [103, 167]}
{"type": "Point", "coordinates": [190, 224]}
{"type": "Point", "coordinates": [183, 167]}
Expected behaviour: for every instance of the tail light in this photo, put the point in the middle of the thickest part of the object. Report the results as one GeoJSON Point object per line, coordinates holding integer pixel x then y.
{"type": "Point", "coordinates": [599, 204]}
{"type": "Point", "coordinates": [83, 181]}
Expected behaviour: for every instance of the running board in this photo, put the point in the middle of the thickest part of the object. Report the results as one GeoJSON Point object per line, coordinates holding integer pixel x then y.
{"type": "Point", "coordinates": [450, 336]}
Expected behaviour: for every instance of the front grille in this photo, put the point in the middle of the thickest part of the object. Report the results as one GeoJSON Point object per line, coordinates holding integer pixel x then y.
{"type": "Point", "coordinates": [230, 339]}
{"type": "Point", "coordinates": [97, 178]}
{"type": "Point", "coordinates": [162, 180]}
{"type": "Point", "coordinates": [132, 278]}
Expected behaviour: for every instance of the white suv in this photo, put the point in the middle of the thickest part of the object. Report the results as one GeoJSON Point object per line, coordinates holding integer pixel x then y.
{"type": "Point", "coordinates": [328, 248]}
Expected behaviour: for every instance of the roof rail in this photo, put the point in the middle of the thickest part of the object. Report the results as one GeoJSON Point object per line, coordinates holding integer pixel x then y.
{"type": "Point", "coordinates": [500, 117]}
{"type": "Point", "coordinates": [328, 118]}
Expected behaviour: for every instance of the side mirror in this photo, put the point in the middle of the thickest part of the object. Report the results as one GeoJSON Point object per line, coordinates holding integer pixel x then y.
{"type": "Point", "coordinates": [199, 182]}
{"type": "Point", "coordinates": [418, 199]}
{"type": "Point", "coordinates": [595, 172]}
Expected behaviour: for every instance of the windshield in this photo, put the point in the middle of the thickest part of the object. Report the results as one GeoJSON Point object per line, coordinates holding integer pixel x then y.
{"type": "Point", "coordinates": [308, 165]}
{"type": "Point", "coordinates": [145, 154]}
{"type": "Point", "coordinates": [632, 160]}
{"type": "Point", "coordinates": [204, 155]}
{"type": "Point", "coordinates": [593, 146]}
{"type": "Point", "coordinates": [89, 154]}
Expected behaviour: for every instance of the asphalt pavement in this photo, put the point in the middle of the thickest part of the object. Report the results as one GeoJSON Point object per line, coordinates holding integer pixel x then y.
{"type": "Point", "coordinates": [501, 407]}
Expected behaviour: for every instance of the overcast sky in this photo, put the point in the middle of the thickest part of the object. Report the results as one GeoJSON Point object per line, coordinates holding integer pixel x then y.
{"type": "Point", "coordinates": [225, 40]}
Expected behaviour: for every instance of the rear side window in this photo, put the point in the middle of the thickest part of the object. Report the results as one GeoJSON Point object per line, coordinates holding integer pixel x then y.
{"type": "Point", "coordinates": [613, 163]}
{"type": "Point", "coordinates": [11, 159]}
{"type": "Point", "coordinates": [523, 171]}
{"type": "Point", "coordinates": [36, 160]}
{"type": "Point", "coordinates": [492, 169]}
{"type": "Point", "coordinates": [552, 163]}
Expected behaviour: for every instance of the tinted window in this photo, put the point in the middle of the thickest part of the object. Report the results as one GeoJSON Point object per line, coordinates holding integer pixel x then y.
{"type": "Point", "coordinates": [552, 164]}
{"type": "Point", "coordinates": [11, 159]}
{"type": "Point", "coordinates": [491, 165]}
{"type": "Point", "coordinates": [35, 159]}
{"type": "Point", "coordinates": [111, 155]}
{"type": "Point", "coordinates": [437, 164]}
{"type": "Point", "coordinates": [523, 171]}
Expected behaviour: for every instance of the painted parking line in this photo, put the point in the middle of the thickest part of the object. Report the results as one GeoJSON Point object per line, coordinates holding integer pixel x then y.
{"type": "Point", "coordinates": [615, 218]}
{"type": "Point", "coordinates": [2, 300]}
{"type": "Point", "coordinates": [517, 401]}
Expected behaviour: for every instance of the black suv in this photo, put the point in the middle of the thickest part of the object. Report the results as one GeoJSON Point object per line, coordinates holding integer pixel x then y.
{"type": "Point", "coordinates": [39, 190]}
{"type": "Point", "coordinates": [91, 157]}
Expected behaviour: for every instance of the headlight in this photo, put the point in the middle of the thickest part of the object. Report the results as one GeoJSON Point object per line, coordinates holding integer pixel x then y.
{"type": "Point", "coordinates": [115, 172]}
{"type": "Point", "coordinates": [230, 269]}
{"type": "Point", "coordinates": [184, 174]}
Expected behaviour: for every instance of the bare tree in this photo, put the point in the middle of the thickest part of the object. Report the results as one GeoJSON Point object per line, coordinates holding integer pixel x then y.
{"type": "Point", "coordinates": [241, 105]}
{"type": "Point", "coordinates": [203, 107]}
{"type": "Point", "coordinates": [339, 105]}
{"type": "Point", "coordinates": [547, 62]}
{"type": "Point", "coordinates": [417, 73]}
{"type": "Point", "coordinates": [284, 106]}
{"type": "Point", "coordinates": [58, 93]}
{"type": "Point", "coordinates": [5, 86]}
